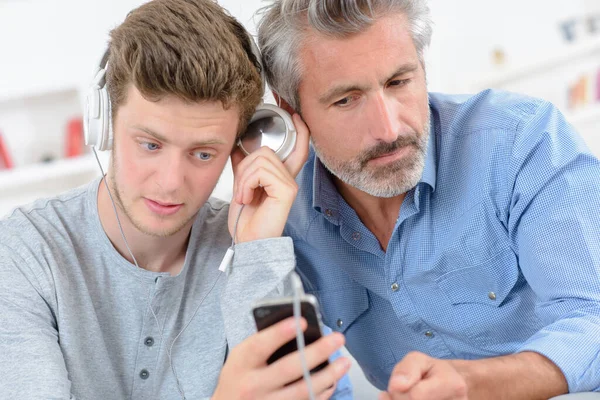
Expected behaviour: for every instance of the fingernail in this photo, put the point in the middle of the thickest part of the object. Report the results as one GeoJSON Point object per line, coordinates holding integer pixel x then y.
{"type": "Point", "coordinates": [337, 340]}
{"type": "Point", "coordinates": [343, 364]}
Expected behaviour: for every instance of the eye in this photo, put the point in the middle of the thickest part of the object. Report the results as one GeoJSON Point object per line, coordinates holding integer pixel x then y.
{"type": "Point", "coordinates": [346, 101]}
{"type": "Point", "coordinates": [150, 146]}
{"type": "Point", "coordinates": [203, 156]}
{"type": "Point", "coordinates": [398, 82]}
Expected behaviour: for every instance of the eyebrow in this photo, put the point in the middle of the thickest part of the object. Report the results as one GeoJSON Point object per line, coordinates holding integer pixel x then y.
{"type": "Point", "coordinates": [337, 91]}
{"type": "Point", "coordinates": [163, 139]}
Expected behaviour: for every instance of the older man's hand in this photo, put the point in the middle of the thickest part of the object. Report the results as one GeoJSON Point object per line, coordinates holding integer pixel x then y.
{"type": "Point", "coordinates": [420, 377]}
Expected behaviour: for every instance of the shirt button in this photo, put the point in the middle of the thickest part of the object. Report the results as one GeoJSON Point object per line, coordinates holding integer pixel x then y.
{"type": "Point", "coordinates": [492, 295]}
{"type": "Point", "coordinates": [149, 341]}
{"type": "Point", "coordinates": [328, 212]}
{"type": "Point", "coordinates": [144, 374]}
{"type": "Point", "coordinates": [339, 323]}
{"type": "Point", "coordinates": [395, 287]}
{"type": "Point", "coordinates": [356, 235]}
{"type": "Point", "coordinates": [429, 334]}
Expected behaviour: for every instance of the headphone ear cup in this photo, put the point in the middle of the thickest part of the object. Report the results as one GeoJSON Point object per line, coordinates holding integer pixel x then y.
{"type": "Point", "coordinates": [97, 119]}
{"type": "Point", "coordinates": [289, 142]}
{"type": "Point", "coordinates": [92, 115]}
{"type": "Point", "coordinates": [97, 124]}
{"type": "Point", "coordinates": [106, 138]}
{"type": "Point", "coordinates": [281, 141]}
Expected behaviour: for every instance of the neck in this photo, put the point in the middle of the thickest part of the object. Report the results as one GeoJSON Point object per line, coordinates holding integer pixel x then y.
{"type": "Point", "coordinates": [379, 214]}
{"type": "Point", "coordinates": [157, 254]}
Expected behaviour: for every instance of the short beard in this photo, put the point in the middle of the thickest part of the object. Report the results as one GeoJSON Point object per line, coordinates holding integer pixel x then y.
{"type": "Point", "coordinates": [386, 181]}
{"type": "Point", "coordinates": [127, 211]}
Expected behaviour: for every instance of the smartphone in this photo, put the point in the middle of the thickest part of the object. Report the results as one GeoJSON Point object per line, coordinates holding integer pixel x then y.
{"type": "Point", "coordinates": [270, 311]}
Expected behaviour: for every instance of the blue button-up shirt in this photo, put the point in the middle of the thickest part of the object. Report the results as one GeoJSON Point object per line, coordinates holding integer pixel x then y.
{"type": "Point", "coordinates": [495, 251]}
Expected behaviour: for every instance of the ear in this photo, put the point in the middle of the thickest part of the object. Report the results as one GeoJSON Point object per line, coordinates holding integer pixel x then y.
{"type": "Point", "coordinates": [283, 104]}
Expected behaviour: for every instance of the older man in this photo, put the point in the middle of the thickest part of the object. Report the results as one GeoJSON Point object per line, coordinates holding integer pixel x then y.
{"type": "Point", "coordinates": [452, 239]}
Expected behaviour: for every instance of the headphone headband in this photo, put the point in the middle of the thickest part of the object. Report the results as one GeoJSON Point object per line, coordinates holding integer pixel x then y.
{"type": "Point", "coordinates": [97, 116]}
{"type": "Point", "coordinates": [256, 52]}
{"type": "Point", "coordinates": [97, 124]}
{"type": "Point", "coordinates": [102, 67]}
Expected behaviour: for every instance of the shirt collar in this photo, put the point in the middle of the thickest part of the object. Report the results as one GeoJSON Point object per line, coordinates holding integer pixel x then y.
{"type": "Point", "coordinates": [430, 169]}
{"type": "Point", "coordinates": [325, 194]}
{"type": "Point", "coordinates": [326, 197]}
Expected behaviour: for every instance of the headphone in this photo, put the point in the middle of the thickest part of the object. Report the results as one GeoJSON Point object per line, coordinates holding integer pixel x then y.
{"type": "Point", "coordinates": [269, 126]}
{"type": "Point", "coordinates": [97, 125]}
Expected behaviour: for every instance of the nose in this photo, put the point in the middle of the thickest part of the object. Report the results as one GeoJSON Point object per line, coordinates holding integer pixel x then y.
{"type": "Point", "coordinates": [384, 120]}
{"type": "Point", "coordinates": [170, 174]}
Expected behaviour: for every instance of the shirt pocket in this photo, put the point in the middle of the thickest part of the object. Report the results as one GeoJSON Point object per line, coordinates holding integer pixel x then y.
{"type": "Point", "coordinates": [340, 308]}
{"type": "Point", "coordinates": [346, 310]}
{"type": "Point", "coordinates": [488, 283]}
{"type": "Point", "coordinates": [482, 305]}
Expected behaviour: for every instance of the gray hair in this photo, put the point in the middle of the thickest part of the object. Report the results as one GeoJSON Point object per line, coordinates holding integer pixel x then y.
{"type": "Point", "coordinates": [285, 24]}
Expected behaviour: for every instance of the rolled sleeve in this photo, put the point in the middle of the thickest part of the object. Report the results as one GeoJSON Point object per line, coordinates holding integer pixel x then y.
{"type": "Point", "coordinates": [555, 227]}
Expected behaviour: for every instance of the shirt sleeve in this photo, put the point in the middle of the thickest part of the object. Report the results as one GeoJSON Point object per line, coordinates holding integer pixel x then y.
{"type": "Point", "coordinates": [261, 269]}
{"type": "Point", "coordinates": [344, 390]}
{"type": "Point", "coordinates": [31, 362]}
{"type": "Point", "coordinates": [554, 226]}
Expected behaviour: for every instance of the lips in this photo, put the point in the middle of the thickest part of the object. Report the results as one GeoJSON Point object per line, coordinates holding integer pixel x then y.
{"type": "Point", "coordinates": [163, 204]}
{"type": "Point", "coordinates": [391, 153]}
{"type": "Point", "coordinates": [162, 208]}
{"type": "Point", "coordinates": [391, 156]}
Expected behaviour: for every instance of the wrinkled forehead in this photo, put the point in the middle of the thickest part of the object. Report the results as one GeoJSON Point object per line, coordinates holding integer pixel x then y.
{"type": "Point", "coordinates": [379, 51]}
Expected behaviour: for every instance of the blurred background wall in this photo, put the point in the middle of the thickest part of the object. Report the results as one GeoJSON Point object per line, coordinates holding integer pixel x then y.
{"type": "Point", "coordinates": [545, 48]}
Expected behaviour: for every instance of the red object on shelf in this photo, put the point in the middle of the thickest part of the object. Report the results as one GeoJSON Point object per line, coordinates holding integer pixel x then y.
{"type": "Point", "coordinates": [74, 141]}
{"type": "Point", "coordinates": [5, 160]}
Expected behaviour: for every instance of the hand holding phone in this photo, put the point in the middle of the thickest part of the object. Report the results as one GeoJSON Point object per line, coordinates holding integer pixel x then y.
{"type": "Point", "coordinates": [270, 311]}
{"type": "Point", "coordinates": [247, 373]}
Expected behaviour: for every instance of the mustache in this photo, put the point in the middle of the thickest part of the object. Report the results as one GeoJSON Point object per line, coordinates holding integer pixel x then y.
{"type": "Point", "coordinates": [386, 148]}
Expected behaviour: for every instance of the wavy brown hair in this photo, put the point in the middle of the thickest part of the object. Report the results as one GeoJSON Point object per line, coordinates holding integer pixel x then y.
{"type": "Point", "coordinates": [191, 49]}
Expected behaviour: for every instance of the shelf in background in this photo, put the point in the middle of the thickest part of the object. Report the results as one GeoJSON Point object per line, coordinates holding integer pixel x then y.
{"type": "Point", "coordinates": [27, 92]}
{"type": "Point", "coordinates": [24, 178]}
{"type": "Point", "coordinates": [567, 54]}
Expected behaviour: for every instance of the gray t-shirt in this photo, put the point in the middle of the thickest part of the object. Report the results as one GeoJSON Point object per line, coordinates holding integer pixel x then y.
{"type": "Point", "coordinates": [76, 317]}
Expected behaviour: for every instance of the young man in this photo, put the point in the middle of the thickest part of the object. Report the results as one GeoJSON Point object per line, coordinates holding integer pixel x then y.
{"type": "Point", "coordinates": [464, 228]}
{"type": "Point", "coordinates": [95, 306]}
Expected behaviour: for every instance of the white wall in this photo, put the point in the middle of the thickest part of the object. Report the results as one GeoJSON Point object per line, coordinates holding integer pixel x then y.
{"type": "Point", "coordinates": [48, 44]}
{"type": "Point", "coordinates": [539, 61]}
{"type": "Point", "coordinates": [467, 31]}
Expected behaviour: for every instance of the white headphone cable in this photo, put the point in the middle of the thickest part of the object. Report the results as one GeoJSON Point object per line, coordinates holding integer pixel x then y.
{"type": "Point", "coordinates": [298, 291]}
{"type": "Point", "coordinates": [114, 208]}
{"type": "Point", "coordinates": [179, 388]}
{"type": "Point", "coordinates": [169, 351]}
{"type": "Point", "coordinates": [296, 282]}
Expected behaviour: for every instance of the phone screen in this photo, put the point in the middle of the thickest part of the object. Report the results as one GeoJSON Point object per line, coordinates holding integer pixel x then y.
{"type": "Point", "coordinates": [266, 316]}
